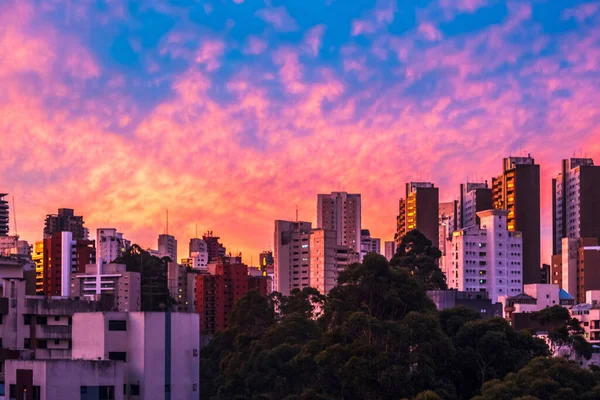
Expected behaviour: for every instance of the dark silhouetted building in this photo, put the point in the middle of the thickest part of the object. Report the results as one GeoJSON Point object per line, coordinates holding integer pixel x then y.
{"type": "Point", "coordinates": [518, 191]}
{"type": "Point", "coordinates": [419, 209]}
{"type": "Point", "coordinates": [65, 221]}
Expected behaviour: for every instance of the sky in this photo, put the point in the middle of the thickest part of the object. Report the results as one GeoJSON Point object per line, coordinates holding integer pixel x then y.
{"type": "Point", "coordinates": [232, 113]}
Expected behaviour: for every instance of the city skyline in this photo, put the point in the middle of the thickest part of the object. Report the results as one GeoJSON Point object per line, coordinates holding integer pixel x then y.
{"type": "Point", "coordinates": [231, 114]}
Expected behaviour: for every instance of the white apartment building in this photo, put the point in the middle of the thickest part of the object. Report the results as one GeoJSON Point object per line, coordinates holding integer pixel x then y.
{"type": "Point", "coordinates": [161, 351]}
{"type": "Point", "coordinates": [197, 260]}
{"type": "Point", "coordinates": [341, 212]}
{"type": "Point", "coordinates": [327, 259]}
{"type": "Point", "coordinates": [291, 255]}
{"type": "Point", "coordinates": [487, 257]}
{"type": "Point", "coordinates": [446, 227]}
{"type": "Point", "coordinates": [110, 244]}
{"type": "Point", "coordinates": [368, 244]}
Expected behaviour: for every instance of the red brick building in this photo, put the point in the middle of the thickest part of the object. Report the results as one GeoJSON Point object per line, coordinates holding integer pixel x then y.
{"type": "Point", "coordinates": [82, 253]}
{"type": "Point", "coordinates": [217, 294]}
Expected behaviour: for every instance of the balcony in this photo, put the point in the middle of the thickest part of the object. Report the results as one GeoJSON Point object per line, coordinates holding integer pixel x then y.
{"type": "Point", "coordinates": [53, 332]}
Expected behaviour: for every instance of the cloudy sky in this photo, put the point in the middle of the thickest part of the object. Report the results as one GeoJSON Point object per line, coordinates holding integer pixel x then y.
{"type": "Point", "coordinates": [231, 112]}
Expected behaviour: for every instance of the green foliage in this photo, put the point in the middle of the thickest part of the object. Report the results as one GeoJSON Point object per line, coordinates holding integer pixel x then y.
{"type": "Point", "coordinates": [375, 336]}
{"type": "Point", "coordinates": [155, 294]}
{"type": "Point", "coordinates": [417, 254]}
{"type": "Point", "coordinates": [544, 378]}
{"type": "Point", "coordinates": [565, 334]}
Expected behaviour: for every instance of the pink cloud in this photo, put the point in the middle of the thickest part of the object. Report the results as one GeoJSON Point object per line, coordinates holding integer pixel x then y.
{"type": "Point", "coordinates": [582, 12]}
{"type": "Point", "coordinates": [314, 38]}
{"type": "Point", "coordinates": [209, 54]}
{"type": "Point", "coordinates": [279, 18]}
{"type": "Point", "coordinates": [429, 31]}
{"type": "Point", "coordinates": [255, 46]}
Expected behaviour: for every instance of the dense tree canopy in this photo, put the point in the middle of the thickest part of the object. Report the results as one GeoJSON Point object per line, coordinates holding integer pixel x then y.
{"type": "Point", "coordinates": [418, 254]}
{"type": "Point", "coordinates": [375, 336]}
{"type": "Point", "coordinates": [155, 294]}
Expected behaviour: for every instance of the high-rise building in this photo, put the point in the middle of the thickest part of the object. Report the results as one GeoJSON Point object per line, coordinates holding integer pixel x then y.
{"type": "Point", "coordinates": [111, 244]}
{"type": "Point", "coordinates": [474, 197]}
{"type": "Point", "coordinates": [64, 256]}
{"type": "Point", "coordinates": [327, 259]}
{"type": "Point", "coordinates": [419, 209]}
{"type": "Point", "coordinates": [216, 294]}
{"type": "Point", "coordinates": [390, 249]}
{"type": "Point", "coordinates": [340, 212]}
{"type": "Point", "coordinates": [65, 221]}
{"type": "Point", "coordinates": [518, 191]}
{"type": "Point", "coordinates": [487, 257]}
{"type": "Point", "coordinates": [4, 215]}
{"type": "Point", "coordinates": [213, 247]}
{"type": "Point", "coordinates": [446, 227]}
{"type": "Point", "coordinates": [38, 259]}
{"type": "Point", "coordinates": [576, 201]}
{"type": "Point", "coordinates": [266, 261]}
{"type": "Point", "coordinates": [292, 256]}
{"type": "Point", "coordinates": [577, 268]}
{"type": "Point", "coordinates": [167, 246]}
{"type": "Point", "coordinates": [197, 245]}
{"type": "Point", "coordinates": [368, 244]}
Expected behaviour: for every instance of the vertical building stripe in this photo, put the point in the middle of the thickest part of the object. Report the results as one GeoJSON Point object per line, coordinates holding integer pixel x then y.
{"type": "Point", "coordinates": [168, 356]}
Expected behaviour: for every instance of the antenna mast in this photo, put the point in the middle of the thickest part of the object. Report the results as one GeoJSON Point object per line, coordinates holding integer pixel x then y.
{"type": "Point", "coordinates": [167, 227]}
{"type": "Point", "coordinates": [296, 212]}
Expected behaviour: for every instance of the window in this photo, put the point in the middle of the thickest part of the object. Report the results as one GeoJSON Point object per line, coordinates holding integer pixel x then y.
{"type": "Point", "coordinates": [40, 320]}
{"type": "Point", "coordinates": [106, 392]}
{"type": "Point", "coordinates": [57, 341]}
{"type": "Point", "coordinates": [134, 390]}
{"type": "Point", "coordinates": [116, 325]}
{"type": "Point", "coordinates": [42, 344]}
{"type": "Point", "coordinates": [167, 388]}
{"type": "Point", "coordinates": [117, 356]}
{"type": "Point", "coordinates": [56, 318]}
{"type": "Point", "coordinates": [27, 319]}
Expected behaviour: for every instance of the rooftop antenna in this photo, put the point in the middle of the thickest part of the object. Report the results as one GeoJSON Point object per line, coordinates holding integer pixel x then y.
{"type": "Point", "coordinates": [296, 212]}
{"type": "Point", "coordinates": [196, 229]}
{"type": "Point", "coordinates": [15, 216]}
{"type": "Point", "coordinates": [167, 226]}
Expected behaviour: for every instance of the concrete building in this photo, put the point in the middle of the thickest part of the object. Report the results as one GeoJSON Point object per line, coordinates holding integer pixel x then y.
{"type": "Point", "coordinates": [64, 256]}
{"type": "Point", "coordinates": [575, 202]}
{"type": "Point", "coordinates": [217, 293]}
{"type": "Point", "coordinates": [267, 262]}
{"type": "Point", "coordinates": [588, 315]}
{"type": "Point", "coordinates": [487, 257]}
{"type": "Point", "coordinates": [111, 244]}
{"type": "Point", "coordinates": [65, 221]}
{"type": "Point", "coordinates": [167, 246]}
{"type": "Point", "coordinates": [390, 249]}
{"type": "Point", "coordinates": [38, 260]}
{"type": "Point", "coordinates": [476, 301]}
{"type": "Point", "coordinates": [214, 248]}
{"type": "Point", "coordinates": [65, 379]}
{"type": "Point", "coordinates": [38, 324]}
{"type": "Point", "coordinates": [177, 276]}
{"type": "Point", "coordinates": [518, 191]}
{"type": "Point", "coordinates": [11, 245]}
{"type": "Point", "coordinates": [341, 212]}
{"type": "Point", "coordinates": [446, 228]}
{"type": "Point", "coordinates": [4, 213]}
{"type": "Point", "coordinates": [197, 260]}
{"type": "Point", "coordinates": [121, 288]}
{"type": "Point", "coordinates": [419, 209]}
{"type": "Point", "coordinates": [474, 197]}
{"type": "Point", "coordinates": [368, 244]}
{"type": "Point", "coordinates": [577, 268]}
{"type": "Point", "coordinates": [535, 297]}
{"type": "Point", "coordinates": [197, 245]}
{"type": "Point", "coordinates": [327, 259]}
{"type": "Point", "coordinates": [292, 256]}
{"type": "Point", "coordinates": [161, 351]}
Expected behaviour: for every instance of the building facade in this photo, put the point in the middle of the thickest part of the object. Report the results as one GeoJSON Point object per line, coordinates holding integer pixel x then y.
{"type": "Point", "coordinates": [292, 256]}
{"type": "Point", "coordinates": [64, 256]}
{"type": "Point", "coordinates": [167, 246]}
{"type": "Point", "coordinates": [419, 209]}
{"type": "Point", "coordinates": [214, 248]}
{"type": "Point", "coordinates": [4, 215]}
{"type": "Point", "coordinates": [577, 268]}
{"type": "Point", "coordinates": [368, 244]}
{"type": "Point", "coordinates": [390, 250]}
{"type": "Point", "coordinates": [518, 191]}
{"type": "Point", "coordinates": [327, 259]}
{"type": "Point", "coordinates": [65, 221]}
{"type": "Point", "coordinates": [341, 212]}
{"type": "Point", "coordinates": [487, 257]}
{"type": "Point", "coordinates": [111, 244]}
{"type": "Point", "coordinates": [446, 224]}
{"type": "Point", "coordinates": [474, 197]}
{"type": "Point", "coordinates": [160, 350]}
{"type": "Point", "coordinates": [121, 288]}
{"type": "Point", "coordinates": [576, 201]}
